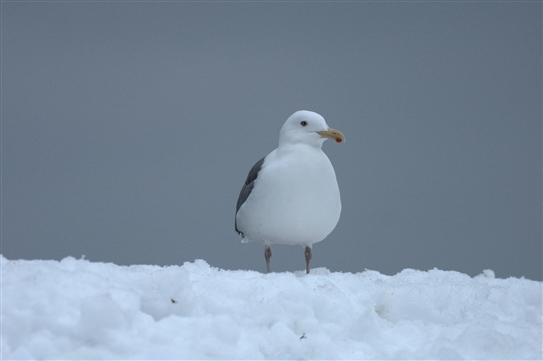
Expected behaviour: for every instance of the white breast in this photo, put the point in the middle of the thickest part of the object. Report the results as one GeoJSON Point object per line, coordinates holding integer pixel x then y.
{"type": "Point", "coordinates": [295, 199]}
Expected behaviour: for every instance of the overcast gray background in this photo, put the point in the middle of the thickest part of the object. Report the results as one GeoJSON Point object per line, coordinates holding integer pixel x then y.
{"type": "Point", "coordinates": [128, 129]}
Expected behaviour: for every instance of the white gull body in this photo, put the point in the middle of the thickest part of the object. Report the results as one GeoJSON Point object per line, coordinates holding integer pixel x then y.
{"type": "Point", "coordinates": [294, 198]}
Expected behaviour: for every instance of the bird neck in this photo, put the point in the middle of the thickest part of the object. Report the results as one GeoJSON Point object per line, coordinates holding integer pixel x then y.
{"type": "Point", "coordinates": [299, 147]}
{"type": "Point", "coordinates": [295, 142]}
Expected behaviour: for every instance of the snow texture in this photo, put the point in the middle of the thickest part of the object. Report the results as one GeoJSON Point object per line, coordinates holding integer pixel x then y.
{"type": "Point", "coordinates": [76, 309]}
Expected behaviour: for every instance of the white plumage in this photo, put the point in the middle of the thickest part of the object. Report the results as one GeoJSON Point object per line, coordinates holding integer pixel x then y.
{"type": "Point", "coordinates": [292, 195]}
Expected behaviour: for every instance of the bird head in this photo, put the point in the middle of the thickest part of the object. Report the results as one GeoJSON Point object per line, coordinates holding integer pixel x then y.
{"type": "Point", "coordinates": [308, 127]}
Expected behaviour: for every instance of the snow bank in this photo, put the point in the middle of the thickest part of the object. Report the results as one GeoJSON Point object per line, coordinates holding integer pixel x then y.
{"type": "Point", "coordinates": [76, 309]}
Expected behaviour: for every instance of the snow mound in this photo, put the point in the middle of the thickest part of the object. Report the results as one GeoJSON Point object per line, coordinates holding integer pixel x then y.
{"type": "Point", "coordinates": [76, 309]}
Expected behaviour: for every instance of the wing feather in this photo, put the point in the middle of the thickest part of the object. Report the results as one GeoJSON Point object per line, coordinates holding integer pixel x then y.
{"type": "Point", "coordinates": [247, 189]}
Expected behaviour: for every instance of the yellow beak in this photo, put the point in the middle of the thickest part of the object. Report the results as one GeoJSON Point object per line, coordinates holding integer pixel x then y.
{"type": "Point", "coordinates": [333, 134]}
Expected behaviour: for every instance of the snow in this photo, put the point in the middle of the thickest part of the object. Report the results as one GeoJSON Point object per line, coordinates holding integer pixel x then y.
{"type": "Point", "coordinates": [76, 309]}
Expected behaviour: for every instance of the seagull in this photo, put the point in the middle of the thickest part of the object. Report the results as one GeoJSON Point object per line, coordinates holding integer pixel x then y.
{"type": "Point", "coordinates": [291, 196]}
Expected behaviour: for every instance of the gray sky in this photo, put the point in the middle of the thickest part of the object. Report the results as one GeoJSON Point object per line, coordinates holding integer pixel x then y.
{"type": "Point", "coordinates": [128, 129]}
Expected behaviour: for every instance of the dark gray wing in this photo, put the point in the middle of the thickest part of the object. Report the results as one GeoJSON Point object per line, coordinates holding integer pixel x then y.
{"type": "Point", "coordinates": [247, 188]}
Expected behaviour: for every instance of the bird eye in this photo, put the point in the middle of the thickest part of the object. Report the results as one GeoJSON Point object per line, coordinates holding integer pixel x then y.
{"type": "Point", "coordinates": [303, 123]}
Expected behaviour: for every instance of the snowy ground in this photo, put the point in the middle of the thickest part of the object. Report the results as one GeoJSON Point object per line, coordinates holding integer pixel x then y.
{"type": "Point", "coordinates": [75, 309]}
